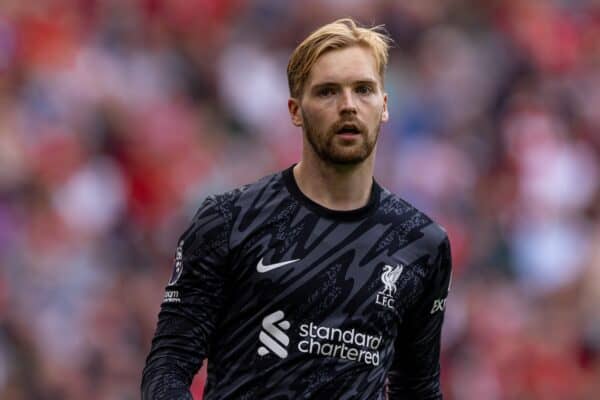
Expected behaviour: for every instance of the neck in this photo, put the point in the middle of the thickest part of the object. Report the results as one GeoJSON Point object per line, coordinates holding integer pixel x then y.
{"type": "Point", "coordinates": [337, 187]}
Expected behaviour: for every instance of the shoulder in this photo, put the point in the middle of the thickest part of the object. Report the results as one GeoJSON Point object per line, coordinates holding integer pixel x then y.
{"type": "Point", "coordinates": [228, 203]}
{"type": "Point", "coordinates": [216, 215]}
{"type": "Point", "coordinates": [429, 235]}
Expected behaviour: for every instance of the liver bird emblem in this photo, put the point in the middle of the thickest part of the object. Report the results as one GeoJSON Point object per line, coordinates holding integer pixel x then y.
{"type": "Point", "coordinates": [389, 277]}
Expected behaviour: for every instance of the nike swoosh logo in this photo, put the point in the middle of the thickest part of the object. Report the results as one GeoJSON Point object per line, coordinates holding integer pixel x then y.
{"type": "Point", "coordinates": [262, 268]}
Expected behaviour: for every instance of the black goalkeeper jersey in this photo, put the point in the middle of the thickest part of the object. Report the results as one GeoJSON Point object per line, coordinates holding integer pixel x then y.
{"type": "Point", "coordinates": [290, 300]}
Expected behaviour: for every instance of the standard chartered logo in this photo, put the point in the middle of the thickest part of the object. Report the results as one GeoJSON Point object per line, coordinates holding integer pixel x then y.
{"type": "Point", "coordinates": [345, 344]}
{"type": "Point", "coordinates": [334, 342]}
{"type": "Point", "coordinates": [272, 337]}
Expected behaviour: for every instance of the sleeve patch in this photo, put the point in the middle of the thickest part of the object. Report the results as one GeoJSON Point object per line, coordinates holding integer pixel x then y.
{"type": "Point", "coordinates": [171, 296]}
{"type": "Point", "coordinates": [178, 267]}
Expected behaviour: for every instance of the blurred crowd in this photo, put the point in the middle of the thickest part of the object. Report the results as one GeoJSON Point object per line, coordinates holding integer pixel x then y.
{"type": "Point", "coordinates": [118, 116]}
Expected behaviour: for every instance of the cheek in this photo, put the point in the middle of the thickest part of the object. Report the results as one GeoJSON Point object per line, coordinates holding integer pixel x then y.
{"type": "Point", "coordinates": [317, 117]}
{"type": "Point", "coordinates": [380, 113]}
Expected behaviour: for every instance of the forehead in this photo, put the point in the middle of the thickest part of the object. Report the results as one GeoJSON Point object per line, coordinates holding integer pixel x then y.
{"type": "Point", "coordinates": [350, 64]}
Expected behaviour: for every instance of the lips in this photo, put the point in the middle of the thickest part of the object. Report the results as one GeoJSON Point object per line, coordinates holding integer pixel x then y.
{"type": "Point", "coordinates": [348, 128]}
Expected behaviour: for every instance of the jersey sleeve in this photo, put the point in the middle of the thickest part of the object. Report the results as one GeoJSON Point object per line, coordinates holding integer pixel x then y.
{"type": "Point", "coordinates": [415, 372]}
{"type": "Point", "coordinates": [193, 298]}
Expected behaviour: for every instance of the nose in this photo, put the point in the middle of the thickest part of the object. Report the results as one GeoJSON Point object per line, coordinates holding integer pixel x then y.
{"type": "Point", "coordinates": [347, 102]}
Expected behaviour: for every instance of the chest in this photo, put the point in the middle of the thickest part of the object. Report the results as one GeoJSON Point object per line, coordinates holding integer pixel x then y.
{"type": "Point", "coordinates": [329, 273]}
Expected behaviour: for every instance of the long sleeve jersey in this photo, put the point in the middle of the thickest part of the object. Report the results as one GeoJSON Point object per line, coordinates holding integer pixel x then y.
{"type": "Point", "coordinates": [287, 299]}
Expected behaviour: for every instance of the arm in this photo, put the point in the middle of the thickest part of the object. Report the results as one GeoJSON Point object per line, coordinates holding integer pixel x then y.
{"type": "Point", "coordinates": [415, 372]}
{"type": "Point", "coordinates": [188, 315]}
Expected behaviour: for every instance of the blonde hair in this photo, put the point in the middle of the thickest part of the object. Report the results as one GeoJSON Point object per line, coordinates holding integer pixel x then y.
{"type": "Point", "coordinates": [339, 34]}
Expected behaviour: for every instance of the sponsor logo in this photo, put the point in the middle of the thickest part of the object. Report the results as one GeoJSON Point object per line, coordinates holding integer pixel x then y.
{"type": "Point", "coordinates": [438, 305]}
{"type": "Point", "coordinates": [272, 337]}
{"type": "Point", "coordinates": [178, 268]}
{"type": "Point", "coordinates": [345, 344]}
{"type": "Point", "coordinates": [389, 277]}
{"type": "Point", "coordinates": [262, 268]}
{"type": "Point", "coordinates": [171, 296]}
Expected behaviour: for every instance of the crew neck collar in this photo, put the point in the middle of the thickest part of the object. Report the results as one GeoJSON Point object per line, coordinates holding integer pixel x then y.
{"type": "Point", "coordinates": [339, 215]}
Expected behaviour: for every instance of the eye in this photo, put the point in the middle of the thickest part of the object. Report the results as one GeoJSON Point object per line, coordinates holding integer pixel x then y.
{"type": "Point", "coordinates": [364, 89]}
{"type": "Point", "coordinates": [325, 92]}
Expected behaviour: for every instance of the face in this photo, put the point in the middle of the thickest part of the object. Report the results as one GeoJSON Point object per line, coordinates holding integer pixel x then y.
{"type": "Point", "coordinates": [342, 106]}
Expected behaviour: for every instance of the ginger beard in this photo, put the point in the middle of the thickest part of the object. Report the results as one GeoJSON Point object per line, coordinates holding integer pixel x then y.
{"type": "Point", "coordinates": [333, 149]}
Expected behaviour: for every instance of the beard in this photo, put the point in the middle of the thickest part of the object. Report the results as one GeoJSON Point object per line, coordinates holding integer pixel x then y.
{"type": "Point", "coordinates": [328, 148]}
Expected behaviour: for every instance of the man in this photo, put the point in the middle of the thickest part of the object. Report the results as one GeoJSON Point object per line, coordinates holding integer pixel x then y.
{"type": "Point", "coordinates": [314, 282]}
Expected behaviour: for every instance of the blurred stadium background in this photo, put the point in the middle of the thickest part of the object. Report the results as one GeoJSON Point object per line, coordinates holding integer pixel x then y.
{"type": "Point", "coordinates": [118, 116]}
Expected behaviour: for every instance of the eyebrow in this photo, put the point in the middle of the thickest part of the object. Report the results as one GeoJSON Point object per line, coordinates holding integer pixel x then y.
{"type": "Point", "coordinates": [330, 84]}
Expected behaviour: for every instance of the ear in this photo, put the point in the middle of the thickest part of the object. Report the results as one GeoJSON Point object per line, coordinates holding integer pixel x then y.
{"type": "Point", "coordinates": [384, 113]}
{"type": "Point", "coordinates": [295, 111]}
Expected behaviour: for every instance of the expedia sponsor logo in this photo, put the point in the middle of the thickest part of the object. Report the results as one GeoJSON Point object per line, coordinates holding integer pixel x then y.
{"type": "Point", "coordinates": [438, 305]}
{"type": "Point", "coordinates": [339, 343]}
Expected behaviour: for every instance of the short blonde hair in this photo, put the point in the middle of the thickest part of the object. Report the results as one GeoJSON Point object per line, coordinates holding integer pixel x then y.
{"type": "Point", "coordinates": [339, 34]}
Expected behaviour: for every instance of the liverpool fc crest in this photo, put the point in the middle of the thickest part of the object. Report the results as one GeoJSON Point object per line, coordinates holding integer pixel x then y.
{"type": "Point", "coordinates": [389, 277]}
